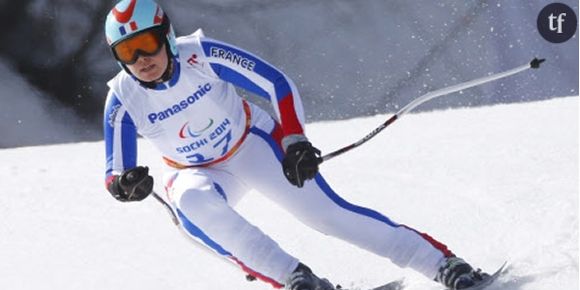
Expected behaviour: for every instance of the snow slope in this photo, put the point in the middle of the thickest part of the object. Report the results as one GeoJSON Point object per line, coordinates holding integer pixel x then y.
{"type": "Point", "coordinates": [494, 183]}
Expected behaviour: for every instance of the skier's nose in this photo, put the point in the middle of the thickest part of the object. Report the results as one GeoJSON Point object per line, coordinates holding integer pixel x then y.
{"type": "Point", "coordinates": [143, 59]}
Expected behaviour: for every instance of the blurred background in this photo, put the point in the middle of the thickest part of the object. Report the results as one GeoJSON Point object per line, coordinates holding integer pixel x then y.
{"type": "Point", "coordinates": [348, 58]}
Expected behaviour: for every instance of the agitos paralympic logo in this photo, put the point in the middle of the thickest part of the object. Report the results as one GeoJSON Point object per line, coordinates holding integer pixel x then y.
{"type": "Point", "coordinates": [186, 132]}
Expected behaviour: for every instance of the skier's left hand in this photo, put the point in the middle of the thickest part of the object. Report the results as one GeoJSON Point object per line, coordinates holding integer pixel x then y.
{"type": "Point", "coordinates": [301, 162]}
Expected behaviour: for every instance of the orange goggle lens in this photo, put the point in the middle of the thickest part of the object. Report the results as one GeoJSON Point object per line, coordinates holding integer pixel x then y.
{"type": "Point", "coordinates": [146, 43]}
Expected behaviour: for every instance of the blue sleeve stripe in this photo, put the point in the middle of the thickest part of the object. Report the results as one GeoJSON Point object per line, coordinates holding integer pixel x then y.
{"type": "Point", "coordinates": [261, 67]}
{"type": "Point", "coordinates": [227, 74]}
{"type": "Point", "coordinates": [109, 131]}
{"type": "Point", "coordinates": [128, 136]}
{"type": "Point", "coordinates": [282, 88]}
{"type": "Point", "coordinates": [129, 142]}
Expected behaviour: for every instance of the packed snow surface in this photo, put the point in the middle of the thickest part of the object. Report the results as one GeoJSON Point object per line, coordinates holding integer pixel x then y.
{"type": "Point", "coordinates": [493, 183]}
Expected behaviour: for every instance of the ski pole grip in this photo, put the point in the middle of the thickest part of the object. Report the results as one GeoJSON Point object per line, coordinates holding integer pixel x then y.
{"type": "Point", "coordinates": [535, 63]}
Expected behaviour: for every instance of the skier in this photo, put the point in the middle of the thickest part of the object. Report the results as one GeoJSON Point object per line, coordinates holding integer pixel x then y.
{"type": "Point", "coordinates": [180, 95]}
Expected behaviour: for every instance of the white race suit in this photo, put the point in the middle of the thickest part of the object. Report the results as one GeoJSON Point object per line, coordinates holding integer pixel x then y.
{"type": "Point", "coordinates": [219, 146]}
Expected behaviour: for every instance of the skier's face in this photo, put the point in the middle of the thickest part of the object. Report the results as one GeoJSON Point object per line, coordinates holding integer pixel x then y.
{"type": "Point", "coordinates": [150, 68]}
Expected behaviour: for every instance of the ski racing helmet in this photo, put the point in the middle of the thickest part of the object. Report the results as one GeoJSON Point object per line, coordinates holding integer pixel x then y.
{"type": "Point", "coordinates": [130, 17]}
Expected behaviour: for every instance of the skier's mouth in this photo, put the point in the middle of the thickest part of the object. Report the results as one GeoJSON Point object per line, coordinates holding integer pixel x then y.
{"type": "Point", "coordinates": [148, 68]}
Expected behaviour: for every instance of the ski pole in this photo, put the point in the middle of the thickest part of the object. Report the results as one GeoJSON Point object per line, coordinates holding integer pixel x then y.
{"type": "Point", "coordinates": [167, 206]}
{"type": "Point", "coordinates": [535, 63]}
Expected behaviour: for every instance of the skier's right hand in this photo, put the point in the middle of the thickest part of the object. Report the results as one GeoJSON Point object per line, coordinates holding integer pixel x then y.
{"type": "Point", "coordinates": [133, 185]}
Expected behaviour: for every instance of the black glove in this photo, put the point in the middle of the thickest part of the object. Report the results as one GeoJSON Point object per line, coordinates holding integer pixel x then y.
{"type": "Point", "coordinates": [133, 185]}
{"type": "Point", "coordinates": [301, 162]}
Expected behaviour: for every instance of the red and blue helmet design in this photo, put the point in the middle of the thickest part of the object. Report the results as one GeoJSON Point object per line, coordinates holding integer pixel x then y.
{"type": "Point", "coordinates": [130, 17]}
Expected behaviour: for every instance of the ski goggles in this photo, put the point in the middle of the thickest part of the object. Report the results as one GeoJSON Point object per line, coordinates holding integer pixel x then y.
{"type": "Point", "coordinates": [145, 43]}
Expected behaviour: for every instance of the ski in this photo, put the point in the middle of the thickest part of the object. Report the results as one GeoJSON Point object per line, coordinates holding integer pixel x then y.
{"type": "Point", "coordinates": [393, 285]}
{"type": "Point", "coordinates": [400, 284]}
{"type": "Point", "coordinates": [488, 280]}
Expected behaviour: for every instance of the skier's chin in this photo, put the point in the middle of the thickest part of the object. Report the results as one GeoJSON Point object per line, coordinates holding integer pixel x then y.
{"type": "Point", "coordinates": [149, 73]}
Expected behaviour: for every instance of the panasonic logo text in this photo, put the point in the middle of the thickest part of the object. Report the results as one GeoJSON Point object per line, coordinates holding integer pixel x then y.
{"type": "Point", "coordinates": [182, 105]}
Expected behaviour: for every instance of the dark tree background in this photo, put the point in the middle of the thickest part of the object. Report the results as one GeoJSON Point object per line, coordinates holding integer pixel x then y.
{"type": "Point", "coordinates": [51, 43]}
{"type": "Point", "coordinates": [348, 58]}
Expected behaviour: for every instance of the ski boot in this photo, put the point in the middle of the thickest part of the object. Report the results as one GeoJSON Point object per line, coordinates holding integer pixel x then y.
{"type": "Point", "coordinates": [456, 274]}
{"type": "Point", "coordinates": [303, 279]}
